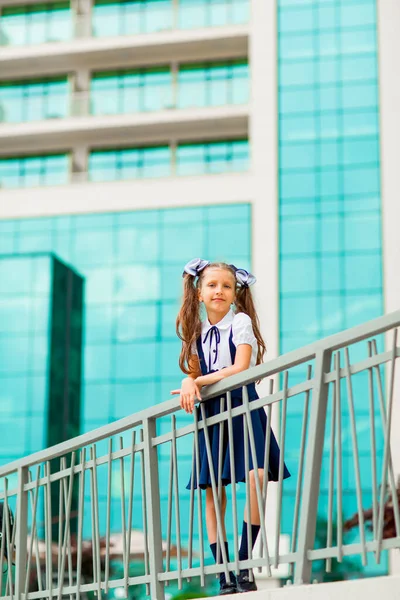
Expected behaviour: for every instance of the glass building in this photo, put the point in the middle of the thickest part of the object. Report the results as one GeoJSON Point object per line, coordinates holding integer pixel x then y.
{"type": "Point", "coordinates": [153, 131]}
{"type": "Point", "coordinates": [40, 353]}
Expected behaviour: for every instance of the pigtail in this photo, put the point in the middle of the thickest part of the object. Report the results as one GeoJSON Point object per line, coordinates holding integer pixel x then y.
{"type": "Point", "coordinates": [188, 324]}
{"type": "Point", "coordinates": [244, 303]}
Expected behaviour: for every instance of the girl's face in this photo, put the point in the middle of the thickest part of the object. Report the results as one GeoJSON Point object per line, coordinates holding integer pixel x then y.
{"type": "Point", "coordinates": [217, 291]}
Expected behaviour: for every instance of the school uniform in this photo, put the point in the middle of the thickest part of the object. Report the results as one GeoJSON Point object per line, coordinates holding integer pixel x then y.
{"type": "Point", "coordinates": [216, 349]}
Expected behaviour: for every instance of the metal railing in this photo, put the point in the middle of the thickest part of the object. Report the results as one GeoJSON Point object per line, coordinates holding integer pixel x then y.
{"type": "Point", "coordinates": [154, 99]}
{"type": "Point", "coordinates": [81, 503]}
{"type": "Point", "coordinates": [146, 19]}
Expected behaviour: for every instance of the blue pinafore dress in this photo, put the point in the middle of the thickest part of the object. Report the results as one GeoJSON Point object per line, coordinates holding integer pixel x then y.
{"type": "Point", "coordinates": [259, 421]}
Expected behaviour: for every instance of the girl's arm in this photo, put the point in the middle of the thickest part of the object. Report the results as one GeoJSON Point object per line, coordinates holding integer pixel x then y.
{"type": "Point", "coordinates": [189, 390]}
{"type": "Point", "coordinates": [242, 362]}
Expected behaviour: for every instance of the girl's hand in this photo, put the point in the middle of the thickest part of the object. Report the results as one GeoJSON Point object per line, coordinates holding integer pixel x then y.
{"type": "Point", "coordinates": [188, 393]}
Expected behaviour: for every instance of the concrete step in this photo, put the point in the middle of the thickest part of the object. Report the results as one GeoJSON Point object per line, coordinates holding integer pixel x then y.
{"type": "Point", "coordinates": [384, 588]}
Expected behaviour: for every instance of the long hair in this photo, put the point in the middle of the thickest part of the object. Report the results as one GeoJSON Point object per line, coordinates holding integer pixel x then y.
{"type": "Point", "coordinates": [188, 323]}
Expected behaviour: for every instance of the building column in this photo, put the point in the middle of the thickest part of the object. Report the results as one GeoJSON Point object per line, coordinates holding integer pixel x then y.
{"type": "Point", "coordinates": [263, 148]}
{"type": "Point", "coordinates": [83, 17]}
{"type": "Point", "coordinates": [80, 93]}
{"type": "Point", "coordinates": [80, 163]}
{"type": "Point", "coordinates": [389, 101]}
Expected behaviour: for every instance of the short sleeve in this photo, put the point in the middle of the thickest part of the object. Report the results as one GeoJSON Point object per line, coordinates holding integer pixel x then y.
{"type": "Point", "coordinates": [242, 329]}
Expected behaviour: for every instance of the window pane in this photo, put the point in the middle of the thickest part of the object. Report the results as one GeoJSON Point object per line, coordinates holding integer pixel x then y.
{"type": "Point", "coordinates": [213, 157]}
{"type": "Point", "coordinates": [111, 17]}
{"type": "Point", "coordinates": [36, 24]}
{"type": "Point", "coordinates": [33, 171]}
{"type": "Point", "coordinates": [33, 100]}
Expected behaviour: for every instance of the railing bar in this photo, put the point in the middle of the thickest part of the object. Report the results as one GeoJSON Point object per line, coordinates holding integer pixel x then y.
{"type": "Point", "coordinates": [3, 543]}
{"type": "Point", "coordinates": [108, 518]}
{"type": "Point", "coordinates": [130, 508]}
{"type": "Point", "coordinates": [60, 523]}
{"type": "Point", "coordinates": [220, 529]}
{"type": "Point", "coordinates": [80, 524]}
{"type": "Point", "coordinates": [191, 513]}
{"type": "Point", "coordinates": [169, 509]}
{"type": "Point", "coordinates": [21, 479]}
{"type": "Point", "coordinates": [144, 514]}
{"type": "Point", "coordinates": [68, 502]}
{"type": "Point", "coordinates": [177, 511]}
{"type": "Point", "coordinates": [356, 458]}
{"type": "Point", "coordinates": [301, 467]}
{"type": "Point", "coordinates": [373, 444]}
{"type": "Point", "coordinates": [262, 402]}
{"type": "Point", "coordinates": [260, 501]}
{"type": "Point", "coordinates": [96, 520]}
{"type": "Point", "coordinates": [267, 444]}
{"type": "Point", "coordinates": [291, 359]}
{"type": "Point", "coordinates": [123, 525]}
{"type": "Point", "coordinates": [331, 477]}
{"type": "Point", "coordinates": [199, 500]}
{"type": "Point", "coordinates": [233, 481]}
{"type": "Point", "coordinates": [281, 468]}
{"type": "Point", "coordinates": [220, 449]}
{"type": "Point", "coordinates": [213, 569]}
{"type": "Point", "coordinates": [248, 498]}
{"type": "Point", "coordinates": [9, 584]}
{"type": "Point", "coordinates": [362, 365]}
{"type": "Point", "coordinates": [353, 549]}
{"type": "Point", "coordinates": [73, 457]}
{"type": "Point", "coordinates": [266, 464]}
{"type": "Point", "coordinates": [395, 498]}
{"type": "Point", "coordinates": [339, 480]}
{"type": "Point", "coordinates": [48, 532]}
{"type": "Point", "coordinates": [90, 587]}
{"type": "Point", "coordinates": [389, 408]}
{"type": "Point", "coordinates": [33, 540]}
{"type": "Point", "coordinates": [102, 460]}
{"type": "Point", "coordinates": [93, 518]}
{"type": "Point", "coordinates": [152, 484]}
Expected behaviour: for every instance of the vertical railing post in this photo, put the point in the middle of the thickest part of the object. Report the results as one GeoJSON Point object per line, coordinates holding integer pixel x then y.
{"type": "Point", "coordinates": [152, 490]}
{"type": "Point", "coordinates": [21, 535]}
{"type": "Point", "coordinates": [309, 503]}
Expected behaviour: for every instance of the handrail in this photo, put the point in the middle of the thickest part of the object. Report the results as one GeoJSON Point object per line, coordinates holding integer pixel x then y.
{"type": "Point", "coordinates": [285, 361]}
{"type": "Point", "coordinates": [320, 442]}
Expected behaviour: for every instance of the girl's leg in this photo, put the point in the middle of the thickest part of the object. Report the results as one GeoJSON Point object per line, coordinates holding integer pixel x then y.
{"type": "Point", "coordinates": [254, 528]}
{"type": "Point", "coordinates": [211, 518]}
{"type": "Point", "coordinates": [212, 531]}
{"type": "Point", "coordinates": [254, 512]}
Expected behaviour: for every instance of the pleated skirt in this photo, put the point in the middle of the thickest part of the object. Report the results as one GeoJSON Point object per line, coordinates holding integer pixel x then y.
{"type": "Point", "coordinates": [259, 422]}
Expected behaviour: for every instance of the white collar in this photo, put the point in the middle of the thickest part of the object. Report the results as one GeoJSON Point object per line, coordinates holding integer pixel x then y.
{"type": "Point", "coordinates": [222, 324]}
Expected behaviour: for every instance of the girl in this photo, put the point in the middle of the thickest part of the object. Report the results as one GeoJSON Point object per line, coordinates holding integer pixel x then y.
{"type": "Point", "coordinates": [226, 342]}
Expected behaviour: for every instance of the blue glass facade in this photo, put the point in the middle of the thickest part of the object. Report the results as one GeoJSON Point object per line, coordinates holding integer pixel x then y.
{"type": "Point", "coordinates": [132, 265]}
{"type": "Point", "coordinates": [55, 21]}
{"type": "Point", "coordinates": [123, 17]}
{"type": "Point", "coordinates": [40, 326]}
{"type": "Point", "coordinates": [32, 171]}
{"type": "Point", "coordinates": [33, 100]}
{"type": "Point", "coordinates": [36, 23]}
{"type": "Point", "coordinates": [190, 159]}
{"type": "Point", "coordinates": [148, 89]}
{"type": "Point", "coordinates": [133, 288]}
{"type": "Point", "coordinates": [329, 202]}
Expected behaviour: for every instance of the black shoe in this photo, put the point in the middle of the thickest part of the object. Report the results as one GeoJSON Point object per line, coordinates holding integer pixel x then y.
{"type": "Point", "coordinates": [227, 588]}
{"type": "Point", "coordinates": [244, 584]}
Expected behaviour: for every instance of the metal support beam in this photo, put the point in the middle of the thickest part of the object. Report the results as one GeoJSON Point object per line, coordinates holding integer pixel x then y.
{"type": "Point", "coordinates": [152, 489]}
{"type": "Point", "coordinates": [309, 504]}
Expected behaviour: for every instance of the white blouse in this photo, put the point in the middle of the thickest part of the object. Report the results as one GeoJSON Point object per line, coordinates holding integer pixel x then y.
{"type": "Point", "coordinates": [242, 330]}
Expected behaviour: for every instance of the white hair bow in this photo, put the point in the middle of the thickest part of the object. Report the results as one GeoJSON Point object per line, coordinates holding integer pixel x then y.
{"type": "Point", "coordinates": [244, 277]}
{"type": "Point", "coordinates": [194, 266]}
